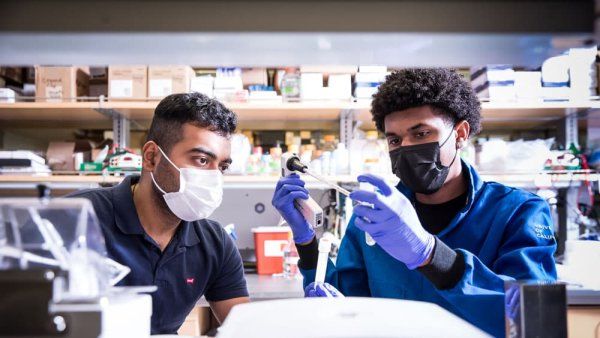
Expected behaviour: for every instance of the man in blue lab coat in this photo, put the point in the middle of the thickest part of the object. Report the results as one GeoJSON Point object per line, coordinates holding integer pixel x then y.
{"type": "Point", "coordinates": [442, 235]}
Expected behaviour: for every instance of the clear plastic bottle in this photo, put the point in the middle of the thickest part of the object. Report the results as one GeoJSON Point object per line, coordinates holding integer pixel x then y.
{"type": "Point", "coordinates": [290, 85]}
{"type": "Point", "coordinates": [290, 259]}
{"type": "Point", "coordinates": [328, 143]}
{"type": "Point", "coordinates": [275, 164]}
{"type": "Point", "coordinates": [371, 153]}
{"type": "Point", "coordinates": [341, 157]}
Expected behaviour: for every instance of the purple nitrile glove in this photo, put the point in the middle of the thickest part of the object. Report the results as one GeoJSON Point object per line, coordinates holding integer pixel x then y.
{"type": "Point", "coordinates": [392, 222]}
{"type": "Point", "coordinates": [512, 301]}
{"type": "Point", "coordinates": [289, 189]}
{"type": "Point", "coordinates": [322, 290]}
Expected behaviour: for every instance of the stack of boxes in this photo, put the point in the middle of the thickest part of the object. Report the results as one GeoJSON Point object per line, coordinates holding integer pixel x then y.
{"type": "Point", "coordinates": [555, 78]}
{"type": "Point", "coordinates": [582, 72]}
{"type": "Point", "coordinates": [368, 79]}
{"type": "Point", "coordinates": [67, 83]}
{"type": "Point", "coordinates": [573, 75]}
{"type": "Point", "coordinates": [326, 82]}
{"type": "Point", "coordinates": [228, 85]}
{"type": "Point", "coordinates": [494, 82]}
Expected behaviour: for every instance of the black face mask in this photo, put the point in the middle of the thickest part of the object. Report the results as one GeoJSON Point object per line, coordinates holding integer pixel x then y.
{"type": "Point", "coordinates": [419, 166]}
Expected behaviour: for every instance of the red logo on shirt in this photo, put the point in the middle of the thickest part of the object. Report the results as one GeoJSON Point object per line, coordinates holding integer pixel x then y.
{"type": "Point", "coordinates": [190, 281]}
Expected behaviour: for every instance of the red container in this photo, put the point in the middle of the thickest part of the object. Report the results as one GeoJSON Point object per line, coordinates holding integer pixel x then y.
{"type": "Point", "coordinates": [268, 246]}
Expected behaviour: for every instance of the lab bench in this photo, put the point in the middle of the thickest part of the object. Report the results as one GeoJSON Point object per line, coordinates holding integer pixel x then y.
{"type": "Point", "coordinates": [266, 287]}
{"type": "Point", "coordinates": [583, 314]}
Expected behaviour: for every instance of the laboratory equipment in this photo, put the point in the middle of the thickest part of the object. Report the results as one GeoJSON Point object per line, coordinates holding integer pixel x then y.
{"type": "Point", "coordinates": [310, 209]}
{"type": "Point", "coordinates": [22, 161]}
{"type": "Point", "coordinates": [291, 163]}
{"type": "Point", "coordinates": [250, 207]}
{"type": "Point", "coordinates": [372, 153]}
{"type": "Point", "coordinates": [535, 309]}
{"type": "Point", "coordinates": [344, 317]}
{"type": "Point", "coordinates": [290, 259]}
{"type": "Point", "coordinates": [324, 249]}
{"type": "Point", "coordinates": [341, 158]}
{"type": "Point", "coordinates": [368, 187]}
{"type": "Point", "coordinates": [54, 266]}
{"type": "Point", "coordinates": [290, 85]}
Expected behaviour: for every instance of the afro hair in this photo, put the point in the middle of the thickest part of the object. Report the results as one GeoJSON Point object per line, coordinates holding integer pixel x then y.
{"type": "Point", "coordinates": [442, 89]}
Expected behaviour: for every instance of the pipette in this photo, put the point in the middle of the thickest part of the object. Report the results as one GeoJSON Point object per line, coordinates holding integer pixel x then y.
{"type": "Point", "coordinates": [309, 208]}
{"type": "Point", "coordinates": [293, 163]}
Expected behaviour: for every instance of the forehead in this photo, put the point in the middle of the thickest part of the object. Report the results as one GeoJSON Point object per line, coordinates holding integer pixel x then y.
{"type": "Point", "coordinates": [195, 136]}
{"type": "Point", "coordinates": [403, 120]}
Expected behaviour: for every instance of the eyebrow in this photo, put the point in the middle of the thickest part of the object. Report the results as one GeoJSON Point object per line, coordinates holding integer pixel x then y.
{"type": "Point", "coordinates": [417, 126]}
{"type": "Point", "coordinates": [209, 153]}
{"type": "Point", "coordinates": [413, 128]}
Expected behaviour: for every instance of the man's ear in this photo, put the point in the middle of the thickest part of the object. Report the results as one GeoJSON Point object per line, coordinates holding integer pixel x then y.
{"type": "Point", "coordinates": [150, 156]}
{"type": "Point", "coordinates": [462, 130]}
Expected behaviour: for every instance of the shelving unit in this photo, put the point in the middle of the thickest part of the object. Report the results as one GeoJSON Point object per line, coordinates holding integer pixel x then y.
{"type": "Point", "coordinates": [523, 115]}
{"type": "Point", "coordinates": [52, 114]}
{"type": "Point", "coordinates": [271, 116]}
{"type": "Point", "coordinates": [523, 180]}
{"type": "Point", "coordinates": [274, 115]}
{"type": "Point", "coordinates": [121, 116]}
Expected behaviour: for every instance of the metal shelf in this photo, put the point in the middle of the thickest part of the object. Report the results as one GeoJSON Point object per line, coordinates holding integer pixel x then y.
{"type": "Point", "coordinates": [519, 114]}
{"type": "Point", "coordinates": [300, 112]}
{"type": "Point", "coordinates": [556, 179]}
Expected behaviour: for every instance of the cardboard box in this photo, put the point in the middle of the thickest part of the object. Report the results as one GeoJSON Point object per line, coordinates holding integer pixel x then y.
{"type": "Point", "coordinates": [584, 321]}
{"type": "Point", "coordinates": [197, 323]}
{"type": "Point", "coordinates": [98, 74]}
{"type": "Point", "coordinates": [14, 74]}
{"type": "Point", "coordinates": [254, 76]}
{"type": "Point", "coordinates": [29, 76]}
{"type": "Point", "coordinates": [127, 82]}
{"type": "Point", "coordinates": [98, 89]}
{"type": "Point", "coordinates": [54, 84]}
{"type": "Point", "coordinates": [63, 156]}
{"type": "Point", "coordinates": [167, 80]}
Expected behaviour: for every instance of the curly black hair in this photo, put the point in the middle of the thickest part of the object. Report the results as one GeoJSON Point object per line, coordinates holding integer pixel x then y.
{"type": "Point", "coordinates": [195, 108]}
{"type": "Point", "coordinates": [443, 89]}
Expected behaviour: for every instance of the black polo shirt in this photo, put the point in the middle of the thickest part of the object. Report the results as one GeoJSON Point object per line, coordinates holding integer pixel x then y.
{"type": "Point", "coordinates": [201, 259]}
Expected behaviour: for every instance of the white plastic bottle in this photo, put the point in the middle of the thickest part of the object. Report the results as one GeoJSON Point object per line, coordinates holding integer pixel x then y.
{"type": "Point", "coordinates": [326, 162]}
{"type": "Point", "coordinates": [341, 157]}
{"type": "Point", "coordinates": [371, 153]}
{"type": "Point", "coordinates": [290, 260]}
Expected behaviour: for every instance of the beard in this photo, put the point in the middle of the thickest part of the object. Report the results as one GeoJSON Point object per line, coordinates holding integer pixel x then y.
{"type": "Point", "coordinates": [168, 179]}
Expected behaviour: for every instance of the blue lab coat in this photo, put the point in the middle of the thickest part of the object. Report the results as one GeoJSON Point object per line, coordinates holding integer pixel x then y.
{"type": "Point", "coordinates": [503, 234]}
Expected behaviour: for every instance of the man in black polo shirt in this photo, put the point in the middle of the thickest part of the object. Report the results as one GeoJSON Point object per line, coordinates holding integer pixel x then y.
{"type": "Point", "coordinates": [157, 223]}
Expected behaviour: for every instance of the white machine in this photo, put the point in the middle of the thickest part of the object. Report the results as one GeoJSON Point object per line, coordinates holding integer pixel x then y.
{"type": "Point", "coordinates": [54, 266]}
{"type": "Point", "coordinates": [344, 317]}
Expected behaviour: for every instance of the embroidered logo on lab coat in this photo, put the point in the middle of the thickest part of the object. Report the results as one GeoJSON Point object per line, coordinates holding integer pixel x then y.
{"type": "Point", "coordinates": [543, 231]}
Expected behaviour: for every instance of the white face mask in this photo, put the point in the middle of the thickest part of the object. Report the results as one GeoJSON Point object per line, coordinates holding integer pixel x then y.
{"type": "Point", "coordinates": [200, 192]}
